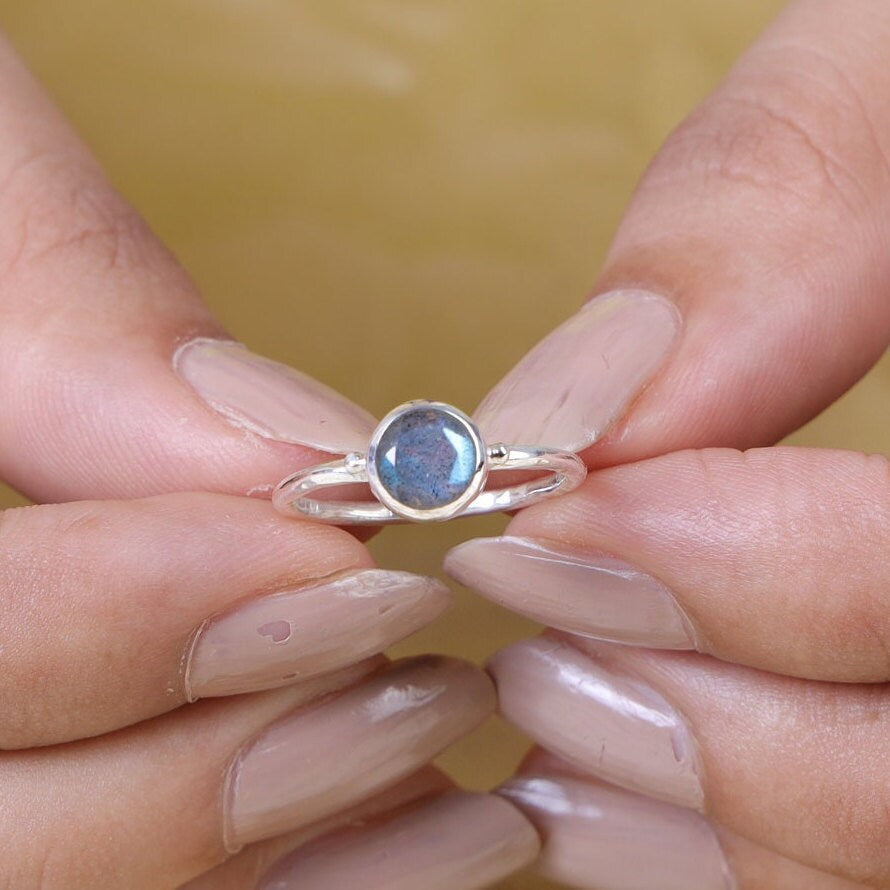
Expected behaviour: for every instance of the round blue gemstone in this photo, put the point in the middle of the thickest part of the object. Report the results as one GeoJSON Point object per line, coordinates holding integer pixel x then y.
{"type": "Point", "coordinates": [426, 458]}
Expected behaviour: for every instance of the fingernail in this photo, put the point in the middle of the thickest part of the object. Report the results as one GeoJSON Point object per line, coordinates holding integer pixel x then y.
{"type": "Point", "coordinates": [329, 756]}
{"type": "Point", "coordinates": [460, 841]}
{"type": "Point", "coordinates": [275, 639]}
{"type": "Point", "coordinates": [581, 377]}
{"type": "Point", "coordinates": [580, 591]}
{"type": "Point", "coordinates": [426, 783]}
{"type": "Point", "coordinates": [600, 838]}
{"type": "Point", "coordinates": [600, 718]}
{"type": "Point", "coordinates": [271, 399]}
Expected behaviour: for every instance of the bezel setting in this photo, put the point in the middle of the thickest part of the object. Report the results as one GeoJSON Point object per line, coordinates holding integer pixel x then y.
{"type": "Point", "coordinates": [424, 475]}
{"type": "Point", "coordinates": [428, 514]}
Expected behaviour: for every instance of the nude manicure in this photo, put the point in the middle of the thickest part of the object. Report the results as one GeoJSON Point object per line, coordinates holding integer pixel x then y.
{"type": "Point", "coordinates": [578, 380]}
{"type": "Point", "coordinates": [600, 718]}
{"type": "Point", "coordinates": [574, 590]}
{"type": "Point", "coordinates": [332, 755]}
{"type": "Point", "coordinates": [271, 399]}
{"type": "Point", "coordinates": [459, 841]}
{"type": "Point", "coordinates": [426, 783]}
{"type": "Point", "coordinates": [603, 838]}
{"type": "Point", "coordinates": [288, 636]}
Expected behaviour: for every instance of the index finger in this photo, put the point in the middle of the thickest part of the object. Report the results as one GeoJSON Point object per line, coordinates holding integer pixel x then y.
{"type": "Point", "coordinates": [115, 380]}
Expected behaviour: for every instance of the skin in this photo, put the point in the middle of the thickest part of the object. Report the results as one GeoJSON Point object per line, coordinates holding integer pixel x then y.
{"type": "Point", "coordinates": [765, 217]}
{"type": "Point", "coordinates": [109, 779]}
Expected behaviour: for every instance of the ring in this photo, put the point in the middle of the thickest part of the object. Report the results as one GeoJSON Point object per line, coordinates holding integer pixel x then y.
{"type": "Point", "coordinates": [427, 462]}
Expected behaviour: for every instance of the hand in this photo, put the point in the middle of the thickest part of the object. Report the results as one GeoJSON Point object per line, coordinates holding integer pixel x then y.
{"type": "Point", "coordinates": [758, 754]}
{"type": "Point", "coordinates": [116, 384]}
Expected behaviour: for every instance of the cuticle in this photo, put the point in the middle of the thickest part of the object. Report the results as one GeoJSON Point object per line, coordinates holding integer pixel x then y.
{"type": "Point", "coordinates": [227, 797]}
{"type": "Point", "coordinates": [194, 337]}
{"type": "Point", "coordinates": [185, 664]}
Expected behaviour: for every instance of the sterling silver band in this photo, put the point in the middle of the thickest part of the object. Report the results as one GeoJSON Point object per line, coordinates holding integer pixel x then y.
{"type": "Point", "coordinates": [438, 428]}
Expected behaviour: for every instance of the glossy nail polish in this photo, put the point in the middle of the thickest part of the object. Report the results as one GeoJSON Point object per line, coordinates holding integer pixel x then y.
{"type": "Point", "coordinates": [332, 755]}
{"type": "Point", "coordinates": [578, 591]}
{"type": "Point", "coordinates": [290, 635]}
{"type": "Point", "coordinates": [458, 841]}
{"type": "Point", "coordinates": [597, 837]}
{"type": "Point", "coordinates": [271, 399]}
{"type": "Point", "coordinates": [577, 381]}
{"type": "Point", "coordinates": [600, 718]}
{"type": "Point", "coordinates": [428, 782]}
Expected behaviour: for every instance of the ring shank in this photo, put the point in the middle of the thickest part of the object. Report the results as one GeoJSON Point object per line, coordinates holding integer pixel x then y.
{"type": "Point", "coordinates": [563, 472]}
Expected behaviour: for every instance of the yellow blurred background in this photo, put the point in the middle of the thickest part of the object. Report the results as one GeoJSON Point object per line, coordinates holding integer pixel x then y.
{"type": "Point", "coordinates": [397, 196]}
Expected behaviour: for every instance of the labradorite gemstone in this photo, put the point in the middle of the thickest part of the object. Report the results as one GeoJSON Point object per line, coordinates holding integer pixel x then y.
{"type": "Point", "coordinates": [425, 458]}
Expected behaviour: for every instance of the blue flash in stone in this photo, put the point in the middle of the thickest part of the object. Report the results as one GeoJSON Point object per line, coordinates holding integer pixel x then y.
{"type": "Point", "coordinates": [426, 458]}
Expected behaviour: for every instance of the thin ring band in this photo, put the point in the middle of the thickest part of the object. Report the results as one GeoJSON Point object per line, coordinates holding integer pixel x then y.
{"type": "Point", "coordinates": [427, 462]}
{"type": "Point", "coordinates": [293, 495]}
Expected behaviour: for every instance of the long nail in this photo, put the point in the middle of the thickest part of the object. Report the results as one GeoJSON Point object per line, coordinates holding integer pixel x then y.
{"type": "Point", "coordinates": [579, 379]}
{"type": "Point", "coordinates": [426, 783]}
{"type": "Point", "coordinates": [574, 590]}
{"type": "Point", "coordinates": [601, 838]}
{"type": "Point", "coordinates": [329, 756]}
{"type": "Point", "coordinates": [294, 634]}
{"type": "Point", "coordinates": [459, 841]}
{"type": "Point", "coordinates": [271, 399]}
{"type": "Point", "coordinates": [599, 718]}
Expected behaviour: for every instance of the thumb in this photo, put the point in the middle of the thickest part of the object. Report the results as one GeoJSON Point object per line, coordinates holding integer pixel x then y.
{"type": "Point", "coordinates": [115, 380]}
{"type": "Point", "coordinates": [763, 225]}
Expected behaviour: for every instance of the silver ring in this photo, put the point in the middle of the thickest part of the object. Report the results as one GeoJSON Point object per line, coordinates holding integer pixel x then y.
{"type": "Point", "coordinates": [427, 462]}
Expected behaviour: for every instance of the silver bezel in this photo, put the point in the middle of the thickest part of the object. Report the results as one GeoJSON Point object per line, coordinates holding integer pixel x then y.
{"type": "Point", "coordinates": [433, 514]}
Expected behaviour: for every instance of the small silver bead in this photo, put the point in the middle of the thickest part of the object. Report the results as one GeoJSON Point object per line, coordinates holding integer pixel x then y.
{"type": "Point", "coordinates": [354, 462]}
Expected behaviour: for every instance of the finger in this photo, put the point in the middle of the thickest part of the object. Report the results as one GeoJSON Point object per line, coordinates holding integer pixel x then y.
{"type": "Point", "coordinates": [93, 312]}
{"type": "Point", "coordinates": [764, 220]}
{"type": "Point", "coordinates": [599, 837]}
{"type": "Point", "coordinates": [171, 798]}
{"type": "Point", "coordinates": [244, 870]}
{"type": "Point", "coordinates": [117, 611]}
{"type": "Point", "coordinates": [766, 558]}
{"type": "Point", "coordinates": [795, 766]}
{"type": "Point", "coordinates": [455, 841]}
